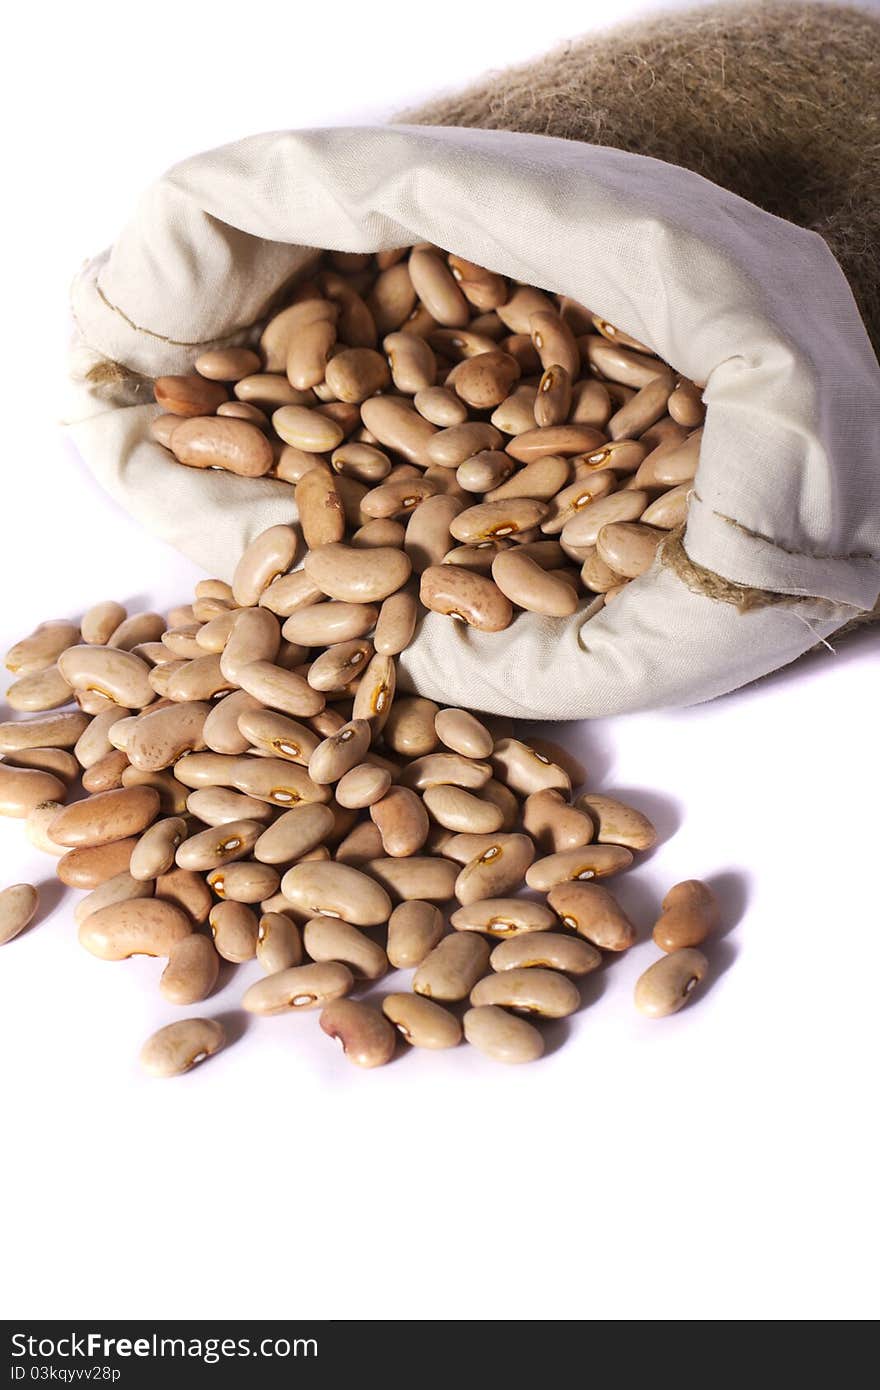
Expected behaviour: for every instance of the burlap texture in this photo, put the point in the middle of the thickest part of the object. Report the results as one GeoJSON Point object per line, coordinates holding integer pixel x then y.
{"type": "Point", "coordinates": [779, 102]}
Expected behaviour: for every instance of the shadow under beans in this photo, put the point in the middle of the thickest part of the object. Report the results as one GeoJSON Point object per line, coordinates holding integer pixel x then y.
{"type": "Point", "coordinates": [639, 898]}
{"type": "Point", "coordinates": [731, 889]}
{"type": "Point", "coordinates": [52, 895]}
{"type": "Point", "coordinates": [554, 1031]}
{"type": "Point", "coordinates": [225, 975]}
{"type": "Point", "coordinates": [235, 1023]}
{"type": "Point", "coordinates": [136, 603]}
{"type": "Point", "coordinates": [592, 986]}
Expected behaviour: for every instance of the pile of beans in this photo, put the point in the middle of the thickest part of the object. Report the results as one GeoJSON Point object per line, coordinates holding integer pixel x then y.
{"type": "Point", "coordinates": [255, 790]}
{"type": "Point", "coordinates": [522, 451]}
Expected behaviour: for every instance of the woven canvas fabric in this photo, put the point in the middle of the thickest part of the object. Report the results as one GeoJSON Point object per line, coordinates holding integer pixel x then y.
{"type": "Point", "coordinates": [787, 496]}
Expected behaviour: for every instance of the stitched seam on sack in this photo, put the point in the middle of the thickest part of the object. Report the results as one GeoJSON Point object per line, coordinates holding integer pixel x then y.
{"type": "Point", "coordinates": [787, 550]}
{"type": "Point", "coordinates": [174, 342]}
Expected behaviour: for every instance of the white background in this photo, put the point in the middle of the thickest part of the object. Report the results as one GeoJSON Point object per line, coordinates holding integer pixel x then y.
{"type": "Point", "coordinates": [721, 1164]}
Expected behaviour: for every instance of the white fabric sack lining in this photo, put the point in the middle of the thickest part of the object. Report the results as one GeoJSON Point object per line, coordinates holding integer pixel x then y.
{"type": "Point", "coordinates": [787, 494]}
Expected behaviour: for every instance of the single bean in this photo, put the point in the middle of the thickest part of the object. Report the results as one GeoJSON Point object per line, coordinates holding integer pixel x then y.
{"type": "Point", "coordinates": [550, 950]}
{"type": "Point", "coordinates": [234, 931]}
{"type": "Point", "coordinates": [440, 406]}
{"type": "Point", "coordinates": [191, 972]}
{"type": "Point", "coordinates": [160, 737]}
{"type": "Point", "coordinates": [270, 391]}
{"type": "Point", "coordinates": [414, 929]}
{"type": "Point", "coordinates": [436, 288]}
{"type": "Point", "coordinates": [328, 938]}
{"type": "Point", "coordinates": [337, 890]}
{"type": "Point", "coordinates": [458, 810]}
{"type": "Point", "coordinates": [525, 770]}
{"type": "Point", "coordinates": [284, 691]}
{"type": "Point", "coordinates": [392, 298]}
{"type": "Point", "coordinates": [244, 881]}
{"type": "Point", "coordinates": [279, 944]}
{"type": "Point", "coordinates": [269, 556]}
{"type": "Point", "coordinates": [111, 815]}
{"type": "Point", "coordinates": [294, 834]}
{"type": "Point", "coordinates": [254, 635]}
{"type": "Point", "coordinates": [277, 735]}
{"type": "Point", "coordinates": [450, 447]}
{"type": "Point", "coordinates": [42, 648]}
{"type": "Point", "coordinates": [593, 912]}
{"type": "Point", "coordinates": [218, 845]}
{"type": "Point", "coordinates": [504, 799]}
{"type": "Point", "coordinates": [134, 927]}
{"type": "Point", "coordinates": [421, 1022]}
{"type": "Point", "coordinates": [378, 534]}
{"type": "Point", "coordinates": [357, 576]}
{"type": "Point", "coordinates": [671, 463]}
{"type": "Point", "coordinates": [220, 731]}
{"type": "Point", "coordinates": [18, 907]}
{"type": "Point", "coordinates": [616, 823]}
{"type": "Point", "coordinates": [396, 623]}
{"type": "Point", "coordinates": [117, 675]}
{"type": "Point", "coordinates": [299, 987]}
{"type": "Point", "coordinates": [690, 915]}
{"type": "Point", "coordinates": [178, 1047]}
{"type": "Point", "coordinates": [451, 970]}
{"type": "Point", "coordinates": [396, 426]}
{"type": "Point", "coordinates": [101, 621]}
{"type": "Point", "coordinates": [421, 876]}
{"type": "Point", "coordinates": [629, 548]}
{"type": "Point", "coordinates": [667, 985]}
{"type": "Point", "coordinates": [553, 824]}
{"type": "Point", "coordinates": [596, 575]}
{"type": "Point", "coordinates": [52, 731]}
{"type": "Point", "coordinates": [442, 769]}
{"type": "Point", "coordinates": [502, 1036]}
{"type": "Point", "coordinates": [325, 623]}
{"type": "Point", "coordinates": [289, 593]}
{"type": "Point", "coordinates": [670, 509]}
{"type": "Point", "coordinates": [463, 594]}
{"type": "Point", "coordinates": [503, 917]}
{"type": "Point", "coordinates": [582, 864]}
{"type": "Point", "coordinates": [532, 991]}
{"type": "Point", "coordinates": [188, 395]}
{"type": "Point", "coordinates": [367, 1037]}
{"type": "Point", "coordinates": [496, 870]}
{"type": "Point", "coordinates": [563, 440]}
{"type": "Point", "coordinates": [375, 693]}
{"type": "Point", "coordinates": [402, 822]}
{"type": "Point", "coordinates": [216, 441]}
{"type": "Point", "coordinates": [155, 851]}
{"type": "Point", "coordinates": [463, 733]}
{"type": "Point", "coordinates": [686, 405]}
{"type": "Point", "coordinates": [227, 364]}
{"type": "Point", "coordinates": [530, 587]}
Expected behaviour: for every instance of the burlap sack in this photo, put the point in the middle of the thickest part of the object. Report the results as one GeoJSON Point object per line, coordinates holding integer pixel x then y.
{"type": "Point", "coordinates": [782, 545]}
